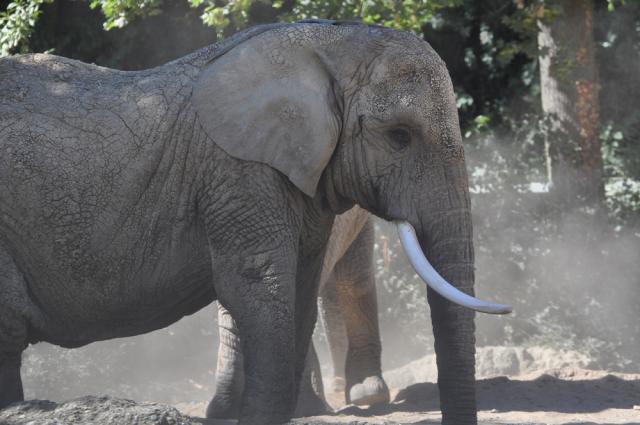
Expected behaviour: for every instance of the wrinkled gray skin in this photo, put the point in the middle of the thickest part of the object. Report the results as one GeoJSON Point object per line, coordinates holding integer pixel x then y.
{"type": "Point", "coordinates": [348, 308]}
{"type": "Point", "coordinates": [131, 199]}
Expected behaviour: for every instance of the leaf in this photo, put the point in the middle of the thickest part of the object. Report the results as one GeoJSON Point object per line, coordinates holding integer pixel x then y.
{"type": "Point", "coordinates": [17, 23]}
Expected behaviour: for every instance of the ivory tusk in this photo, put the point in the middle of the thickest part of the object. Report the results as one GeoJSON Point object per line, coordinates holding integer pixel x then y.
{"type": "Point", "coordinates": [436, 282]}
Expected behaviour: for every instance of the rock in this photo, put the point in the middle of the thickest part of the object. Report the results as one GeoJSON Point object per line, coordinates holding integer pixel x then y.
{"type": "Point", "coordinates": [514, 361]}
{"type": "Point", "coordinates": [421, 370]}
{"type": "Point", "coordinates": [92, 410]}
{"type": "Point", "coordinates": [495, 361]}
{"type": "Point", "coordinates": [491, 362]}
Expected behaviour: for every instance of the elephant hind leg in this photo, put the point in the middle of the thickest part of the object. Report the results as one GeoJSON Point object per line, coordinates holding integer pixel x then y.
{"type": "Point", "coordinates": [10, 381]}
{"type": "Point", "coordinates": [14, 309]}
{"type": "Point", "coordinates": [311, 401]}
{"type": "Point", "coordinates": [331, 317]}
{"type": "Point", "coordinates": [229, 384]}
{"type": "Point", "coordinates": [356, 290]}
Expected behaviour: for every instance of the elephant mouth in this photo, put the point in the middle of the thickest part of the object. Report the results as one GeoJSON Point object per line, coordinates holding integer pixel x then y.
{"type": "Point", "coordinates": [432, 278]}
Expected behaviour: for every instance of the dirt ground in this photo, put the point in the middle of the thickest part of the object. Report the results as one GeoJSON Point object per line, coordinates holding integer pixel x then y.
{"type": "Point", "coordinates": [550, 397]}
{"type": "Point", "coordinates": [516, 386]}
{"type": "Point", "coordinates": [567, 395]}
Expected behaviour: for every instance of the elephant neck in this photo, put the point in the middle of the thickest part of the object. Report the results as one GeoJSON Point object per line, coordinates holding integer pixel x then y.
{"type": "Point", "coordinates": [335, 201]}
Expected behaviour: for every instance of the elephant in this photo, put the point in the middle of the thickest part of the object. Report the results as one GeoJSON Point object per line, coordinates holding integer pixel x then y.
{"type": "Point", "coordinates": [131, 199]}
{"type": "Point", "coordinates": [348, 306]}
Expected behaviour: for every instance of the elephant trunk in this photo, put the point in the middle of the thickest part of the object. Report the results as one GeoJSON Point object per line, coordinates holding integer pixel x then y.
{"type": "Point", "coordinates": [448, 240]}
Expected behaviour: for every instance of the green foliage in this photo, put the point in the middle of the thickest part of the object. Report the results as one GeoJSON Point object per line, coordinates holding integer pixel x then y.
{"type": "Point", "coordinates": [524, 22]}
{"type": "Point", "coordinates": [612, 4]}
{"type": "Point", "coordinates": [623, 201]}
{"type": "Point", "coordinates": [119, 13]}
{"type": "Point", "coordinates": [481, 121]}
{"type": "Point", "coordinates": [222, 15]}
{"type": "Point", "coordinates": [407, 15]}
{"type": "Point", "coordinates": [229, 16]}
{"type": "Point", "coordinates": [618, 40]}
{"type": "Point", "coordinates": [17, 22]}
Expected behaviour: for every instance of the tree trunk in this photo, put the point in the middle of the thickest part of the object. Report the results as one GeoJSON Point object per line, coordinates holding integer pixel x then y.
{"type": "Point", "coordinates": [569, 84]}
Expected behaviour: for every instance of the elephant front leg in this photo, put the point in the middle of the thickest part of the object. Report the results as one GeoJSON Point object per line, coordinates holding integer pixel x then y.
{"type": "Point", "coordinates": [256, 284]}
{"type": "Point", "coordinates": [229, 384]}
{"type": "Point", "coordinates": [313, 244]}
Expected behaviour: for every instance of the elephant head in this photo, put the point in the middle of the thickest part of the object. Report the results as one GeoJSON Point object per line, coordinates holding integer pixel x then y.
{"type": "Point", "coordinates": [357, 114]}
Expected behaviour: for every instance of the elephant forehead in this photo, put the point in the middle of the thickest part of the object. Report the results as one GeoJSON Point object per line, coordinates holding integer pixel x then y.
{"type": "Point", "coordinates": [407, 74]}
{"type": "Point", "coordinates": [426, 94]}
{"type": "Point", "coordinates": [422, 98]}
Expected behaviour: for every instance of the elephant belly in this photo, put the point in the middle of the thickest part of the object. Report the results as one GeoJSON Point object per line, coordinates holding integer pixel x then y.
{"type": "Point", "coordinates": [123, 303]}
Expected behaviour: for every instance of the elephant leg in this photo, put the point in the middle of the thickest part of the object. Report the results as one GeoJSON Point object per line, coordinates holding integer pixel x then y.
{"type": "Point", "coordinates": [13, 329]}
{"type": "Point", "coordinates": [264, 314]}
{"type": "Point", "coordinates": [10, 381]}
{"type": "Point", "coordinates": [311, 401]}
{"type": "Point", "coordinates": [257, 287]}
{"type": "Point", "coordinates": [332, 320]}
{"type": "Point", "coordinates": [312, 252]}
{"type": "Point", "coordinates": [355, 285]}
{"type": "Point", "coordinates": [229, 384]}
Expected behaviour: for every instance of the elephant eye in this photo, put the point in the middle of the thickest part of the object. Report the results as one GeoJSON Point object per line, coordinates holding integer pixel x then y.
{"type": "Point", "coordinates": [399, 138]}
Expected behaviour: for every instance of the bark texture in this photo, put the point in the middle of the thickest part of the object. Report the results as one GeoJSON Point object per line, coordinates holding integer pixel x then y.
{"type": "Point", "coordinates": [569, 83]}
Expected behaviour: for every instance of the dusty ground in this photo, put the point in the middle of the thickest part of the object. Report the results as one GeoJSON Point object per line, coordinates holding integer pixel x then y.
{"type": "Point", "coordinates": [560, 396]}
{"type": "Point", "coordinates": [550, 397]}
{"type": "Point", "coordinates": [516, 386]}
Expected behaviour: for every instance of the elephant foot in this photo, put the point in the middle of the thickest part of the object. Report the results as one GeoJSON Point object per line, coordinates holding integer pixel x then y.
{"type": "Point", "coordinates": [310, 404]}
{"type": "Point", "coordinates": [373, 390]}
{"type": "Point", "coordinates": [337, 385]}
{"type": "Point", "coordinates": [223, 408]}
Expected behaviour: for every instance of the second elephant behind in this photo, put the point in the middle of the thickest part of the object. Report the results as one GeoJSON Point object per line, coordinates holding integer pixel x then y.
{"type": "Point", "coordinates": [348, 309]}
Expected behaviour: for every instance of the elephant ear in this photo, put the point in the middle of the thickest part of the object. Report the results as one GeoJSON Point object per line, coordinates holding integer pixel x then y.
{"type": "Point", "coordinates": [270, 100]}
